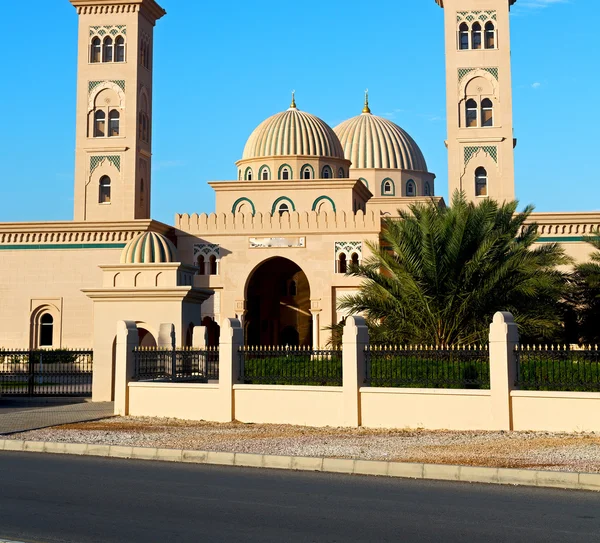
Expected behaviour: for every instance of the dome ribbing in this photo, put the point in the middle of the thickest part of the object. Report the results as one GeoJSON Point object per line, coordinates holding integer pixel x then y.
{"type": "Point", "coordinates": [149, 248]}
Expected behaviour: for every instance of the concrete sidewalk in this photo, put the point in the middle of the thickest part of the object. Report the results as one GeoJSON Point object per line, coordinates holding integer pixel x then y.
{"type": "Point", "coordinates": [23, 414]}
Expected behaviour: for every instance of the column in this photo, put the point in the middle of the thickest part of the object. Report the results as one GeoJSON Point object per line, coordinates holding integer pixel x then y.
{"type": "Point", "coordinates": [127, 341]}
{"type": "Point", "coordinates": [230, 341]}
{"type": "Point", "coordinates": [354, 341]}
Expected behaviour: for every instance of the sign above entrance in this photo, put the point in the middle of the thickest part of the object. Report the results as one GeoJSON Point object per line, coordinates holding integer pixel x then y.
{"type": "Point", "coordinates": [265, 243]}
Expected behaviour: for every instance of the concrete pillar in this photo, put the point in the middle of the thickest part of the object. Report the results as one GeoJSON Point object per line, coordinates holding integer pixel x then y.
{"type": "Point", "coordinates": [200, 338]}
{"type": "Point", "coordinates": [230, 341]}
{"type": "Point", "coordinates": [354, 341]}
{"type": "Point", "coordinates": [166, 336]}
{"type": "Point", "coordinates": [316, 329]}
{"type": "Point", "coordinates": [504, 337]}
{"type": "Point", "coordinates": [127, 341]}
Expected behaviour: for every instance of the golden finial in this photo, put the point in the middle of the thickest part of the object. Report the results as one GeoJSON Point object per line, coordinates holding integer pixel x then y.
{"type": "Point", "coordinates": [293, 105]}
{"type": "Point", "coordinates": [366, 109]}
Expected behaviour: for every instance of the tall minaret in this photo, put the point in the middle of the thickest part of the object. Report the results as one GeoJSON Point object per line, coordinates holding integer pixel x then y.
{"type": "Point", "coordinates": [114, 109]}
{"type": "Point", "coordinates": [479, 98]}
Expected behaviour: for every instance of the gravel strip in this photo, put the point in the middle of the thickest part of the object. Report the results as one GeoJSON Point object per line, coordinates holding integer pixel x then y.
{"type": "Point", "coordinates": [534, 450]}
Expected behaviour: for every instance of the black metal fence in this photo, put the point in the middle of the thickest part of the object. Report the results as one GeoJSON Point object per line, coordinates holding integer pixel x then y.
{"type": "Point", "coordinates": [46, 372]}
{"type": "Point", "coordinates": [558, 368]}
{"type": "Point", "coordinates": [290, 366]}
{"type": "Point", "coordinates": [152, 364]}
{"type": "Point", "coordinates": [418, 366]}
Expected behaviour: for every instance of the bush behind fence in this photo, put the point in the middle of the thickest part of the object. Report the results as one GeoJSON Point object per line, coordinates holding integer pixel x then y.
{"type": "Point", "coordinates": [176, 365]}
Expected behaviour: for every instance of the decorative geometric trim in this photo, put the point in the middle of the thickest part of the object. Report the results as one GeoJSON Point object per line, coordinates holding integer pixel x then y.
{"type": "Point", "coordinates": [108, 29]}
{"type": "Point", "coordinates": [207, 249]}
{"type": "Point", "coordinates": [463, 72]}
{"type": "Point", "coordinates": [489, 150]}
{"type": "Point", "coordinates": [320, 199]}
{"type": "Point", "coordinates": [93, 84]}
{"type": "Point", "coordinates": [281, 199]}
{"type": "Point", "coordinates": [239, 201]}
{"type": "Point", "coordinates": [471, 16]}
{"type": "Point", "coordinates": [347, 248]}
{"type": "Point", "coordinates": [45, 246]}
{"type": "Point", "coordinates": [95, 161]}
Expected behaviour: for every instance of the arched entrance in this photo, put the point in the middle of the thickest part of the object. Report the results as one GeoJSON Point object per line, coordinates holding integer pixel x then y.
{"type": "Point", "coordinates": [278, 305]}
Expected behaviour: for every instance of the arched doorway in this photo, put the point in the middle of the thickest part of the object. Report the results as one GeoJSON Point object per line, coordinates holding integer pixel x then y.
{"type": "Point", "coordinates": [278, 305]}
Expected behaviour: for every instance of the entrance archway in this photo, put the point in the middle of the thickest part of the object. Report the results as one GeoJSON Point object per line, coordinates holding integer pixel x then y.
{"type": "Point", "coordinates": [278, 305]}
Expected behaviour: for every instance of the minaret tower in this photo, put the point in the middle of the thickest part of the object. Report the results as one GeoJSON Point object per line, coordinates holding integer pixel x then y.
{"type": "Point", "coordinates": [479, 98]}
{"type": "Point", "coordinates": [114, 109]}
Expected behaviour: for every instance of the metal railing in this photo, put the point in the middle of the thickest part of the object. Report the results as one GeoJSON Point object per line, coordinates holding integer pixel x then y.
{"type": "Point", "coordinates": [422, 366]}
{"type": "Point", "coordinates": [558, 368]}
{"type": "Point", "coordinates": [59, 372]}
{"type": "Point", "coordinates": [290, 366]}
{"type": "Point", "coordinates": [176, 365]}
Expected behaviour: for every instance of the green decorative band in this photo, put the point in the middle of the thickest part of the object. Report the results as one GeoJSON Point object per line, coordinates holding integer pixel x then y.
{"type": "Point", "coordinates": [93, 84]}
{"type": "Point", "coordinates": [109, 29]}
{"type": "Point", "coordinates": [565, 239]}
{"type": "Point", "coordinates": [95, 161]}
{"type": "Point", "coordinates": [463, 72]}
{"type": "Point", "coordinates": [473, 15]}
{"type": "Point", "coordinates": [489, 150]}
{"type": "Point", "coordinates": [60, 246]}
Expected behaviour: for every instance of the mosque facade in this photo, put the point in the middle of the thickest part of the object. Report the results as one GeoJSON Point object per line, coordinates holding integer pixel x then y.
{"type": "Point", "coordinates": [305, 202]}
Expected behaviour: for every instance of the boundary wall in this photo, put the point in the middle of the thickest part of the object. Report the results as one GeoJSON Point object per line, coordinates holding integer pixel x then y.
{"type": "Point", "coordinates": [353, 404]}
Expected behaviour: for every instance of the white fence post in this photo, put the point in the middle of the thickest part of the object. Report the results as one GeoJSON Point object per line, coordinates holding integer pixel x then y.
{"type": "Point", "coordinates": [127, 341]}
{"type": "Point", "coordinates": [355, 339]}
{"type": "Point", "coordinates": [504, 338]}
{"type": "Point", "coordinates": [230, 341]}
{"type": "Point", "coordinates": [200, 338]}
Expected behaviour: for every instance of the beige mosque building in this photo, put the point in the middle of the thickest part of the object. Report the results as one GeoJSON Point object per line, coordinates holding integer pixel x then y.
{"type": "Point", "coordinates": [304, 201]}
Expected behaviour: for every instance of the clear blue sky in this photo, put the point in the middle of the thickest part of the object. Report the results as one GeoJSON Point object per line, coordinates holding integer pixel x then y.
{"type": "Point", "coordinates": [223, 67]}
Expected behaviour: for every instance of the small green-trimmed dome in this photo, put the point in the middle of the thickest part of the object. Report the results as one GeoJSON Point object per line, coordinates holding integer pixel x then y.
{"type": "Point", "coordinates": [149, 248]}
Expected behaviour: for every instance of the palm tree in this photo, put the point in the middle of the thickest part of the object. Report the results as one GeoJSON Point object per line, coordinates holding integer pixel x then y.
{"type": "Point", "coordinates": [440, 273]}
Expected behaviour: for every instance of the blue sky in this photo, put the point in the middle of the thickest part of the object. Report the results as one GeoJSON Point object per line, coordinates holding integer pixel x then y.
{"type": "Point", "coordinates": [221, 68]}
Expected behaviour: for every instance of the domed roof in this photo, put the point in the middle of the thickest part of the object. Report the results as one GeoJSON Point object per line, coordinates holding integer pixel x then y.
{"type": "Point", "coordinates": [293, 132]}
{"type": "Point", "coordinates": [149, 248]}
{"type": "Point", "coordinates": [374, 142]}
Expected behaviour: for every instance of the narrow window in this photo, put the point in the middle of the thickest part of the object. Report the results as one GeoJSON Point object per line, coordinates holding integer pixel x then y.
{"type": "Point", "coordinates": [212, 261]}
{"type": "Point", "coordinates": [285, 174]}
{"type": "Point", "coordinates": [120, 49]}
{"type": "Point", "coordinates": [284, 208]}
{"type": "Point", "coordinates": [113, 123]}
{"type": "Point", "coordinates": [354, 259]}
{"type": "Point", "coordinates": [107, 54]}
{"type": "Point", "coordinates": [104, 190]}
{"type": "Point", "coordinates": [471, 113]}
{"type": "Point", "coordinates": [410, 189]}
{"type": "Point", "coordinates": [201, 265]}
{"type": "Point", "coordinates": [342, 264]}
{"type": "Point", "coordinates": [306, 173]}
{"type": "Point", "coordinates": [249, 175]}
{"type": "Point", "coordinates": [326, 173]}
{"type": "Point", "coordinates": [463, 36]}
{"type": "Point", "coordinates": [387, 187]}
{"type": "Point", "coordinates": [481, 182]}
{"type": "Point", "coordinates": [265, 174]}
{"type": "Point", "coordinates": [476, 36]}
{"type": "Point", "coordinates": [293, 288]}
{"type": "Point", "coordinates": [96, 50]}
{"type": "Point", "coordinates": [46, 330]}
{"type": "Point", "coordinates": [490, 36]}
{"type": "Point", "coordinates": [427, 189]}
{"type": "Point", "coordinates": [341, 173]}
{"type": "Point", "coordinates": [487, 113]}
{"type": "Point", "coordinates": [99, 124]}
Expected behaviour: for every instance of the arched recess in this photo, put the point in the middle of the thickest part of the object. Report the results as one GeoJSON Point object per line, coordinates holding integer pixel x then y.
{"type": "Point", "coordinates": [310, 169]}
{"type": "Point", "coordinates": [45, 318]}
{"type": "Point", "coordinates": [490, 86]}
{"type": "Point", "coordinates": [248, 174]}
{"type": "Point", "coordinates": [239, 201]}
{"type": "Point", "coordinates": [146, 336]}
{"type": "Point", "coordinates": [322, 199]}
{"type": "Point", "coordinates": [261, 173]}
{"type": "Point", "coordinates": [411, 188]}
{"type": "Point", "coordinates": [277, 314]}
{"type": "Point", "coordinates": [388, 187]}
{"type": "Point", "coordinates": [365, 182]}
{"type": "Point", "coordinates": [106, 85]}
{"type": "Point", "coordinates": [279, 201]}
{"type": "Point", "coordinates": [281, 170]}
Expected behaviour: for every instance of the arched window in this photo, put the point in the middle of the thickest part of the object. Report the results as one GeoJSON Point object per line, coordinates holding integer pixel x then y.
{"type": "Point", "coordinates": [342, 263]}
{"type": "Point", "coordinates": [354, 258]}
{"type": "Point", "coordinates": [490, 35]}
{"type": "Point", "coordinates": [463, 36]}
{"type": "Point", "coordinates": [388, 188]}
{"type": "Point", "coordinates": [120, 49]}
{"type": "Point", "coordinates": [411, 189]}
{"type": "Point", "coordinates": [326, 173]}
{"type": "Point", "coordinates": [293, 290]}
{"type": "Point", "coordinates": [471, 113]}
{"type": "Point", "coordinates": [285, 174]}
{"type": "Point", "coordinates": [306, 173]}
{"type": "Point", "coordinates": [249, 175]}
{"type": "Point", "coordinates": [212, 262]}
{"type": "Point", "coordinates": [284, 208]}
{"type": "Point", "coordinates": [201, 265]}
{"type": "Point", "coordinates": [476, 36]}
{"type": "Point", "coordinates": [99, 124]}
{"type": "Point", "coordinates": [107, 50]}
{"type": "Point", "coordinates": [427, 189]}
{"type": "Point", "coordinates": [96, 50]}
{"type": "Point", "coordinates": [46, 330]}
{"type": "Point", "coordinates": [265, 174]}
{"type": "Point", "coordinates": [104, 190]}
{"type": "Point", "coordinates": [481, 181]}
{"type": "Point", "coordinates": [113, 123]}
{"type": "Point", "coordinates": [341, 173]}
{"type": "Point", "coordinates": [487, 112]}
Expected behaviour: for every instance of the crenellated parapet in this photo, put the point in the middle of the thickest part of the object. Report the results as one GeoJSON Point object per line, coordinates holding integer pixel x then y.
{"type": "Point", "coordinates": [566, 224]}
{"type": "Point", "coordinates": [300, 222]}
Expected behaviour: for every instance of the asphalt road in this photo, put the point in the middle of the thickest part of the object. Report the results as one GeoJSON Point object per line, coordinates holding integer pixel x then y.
{"type": "Point", "coordinates": [54, 498]}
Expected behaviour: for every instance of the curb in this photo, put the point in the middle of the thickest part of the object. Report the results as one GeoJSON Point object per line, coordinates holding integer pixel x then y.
{"type": "Point", "coordinates": [436, 472]}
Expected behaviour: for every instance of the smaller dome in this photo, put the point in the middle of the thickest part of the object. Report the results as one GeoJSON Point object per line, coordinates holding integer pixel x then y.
{"type": "Point", "coordinates": [149, 248]}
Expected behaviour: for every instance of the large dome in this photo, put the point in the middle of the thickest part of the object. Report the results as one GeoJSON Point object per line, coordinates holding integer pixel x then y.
{"type": "Point", "coordinates": [149, 248]}
{"type": "Point", "coordinates": [374, 142]}
{"type": "Point", "coordinates": [293, 132]}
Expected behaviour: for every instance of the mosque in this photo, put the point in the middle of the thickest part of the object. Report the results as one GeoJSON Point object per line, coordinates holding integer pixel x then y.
{"type": "Point", "coordinates": [305, 200]}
